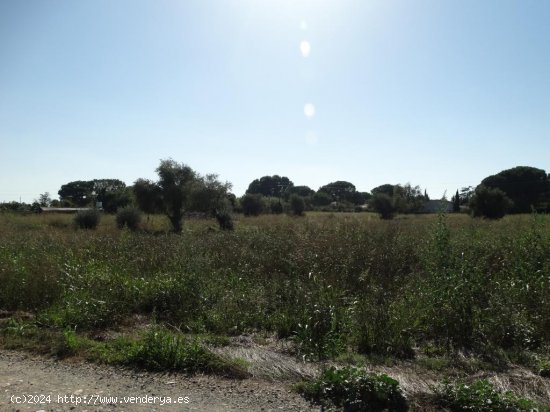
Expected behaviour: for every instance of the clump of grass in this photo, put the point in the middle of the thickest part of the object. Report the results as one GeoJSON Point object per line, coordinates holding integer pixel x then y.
{"type": "Point", "coordinates": [87, 219]}
{"type": "Point", "coordinates": [164, 350]}
{"type": "Point", "coordinates": [158, 350]}
{"type": "Point", "coordinates": [66, 344]}
{"type": "Point", "coordinates": [480, 396]}
{"type": "Point", "coordinates": [353, 389]}
{"type": "Point", "coordinates": [129, 217]}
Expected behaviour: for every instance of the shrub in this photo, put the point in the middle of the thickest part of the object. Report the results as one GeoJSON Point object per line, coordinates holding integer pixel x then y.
{"type": "Point", "coordinates": [480, 396]}
{"type": "Point", "coordinates": [297, 205]}
{"type": "Point", "coordinates": [225, 220]}
{"type": "Point", "coordinates": [383, 205]}
{"type": "Point", "coordinates": [252, 205]}
{"type": "Point", "coordinates": [128, 216]}
{"type": "Point", "coordinates": [353, 389]}
{"type": "Point", "coordinates": [87, 219]}
{"type": "Point", "coordinates": [489, 203]}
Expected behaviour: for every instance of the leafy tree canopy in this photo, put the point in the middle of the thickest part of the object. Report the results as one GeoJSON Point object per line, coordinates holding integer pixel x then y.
{"type": "Point", "coordinates": [525, 186]}
{"type": "Point", "coordinates": [78, 193]}
{"type": "Point", "coordinates": [148, 196]}
{"type": "Point", "coordinates": [491, 203]}
{"type": "Point", "coordinates": [44, 199]}
{"type": "Point", "coordinates": [303, 191]}
{"type": "Point", "coordinates": [321, 199]}
{"type": "Point", "coordinates": [405, 198]}
{"type": "Point", "coordinates": [342, 191]}
{"type": "Point", "coordinates": [180, 189]}
{"type": "Point", "coordinates": [465, 194]}
{"type": "Point", "coordinates": [408, 198]}
{"type": "Point", "coordinates": [209, 194]}
{"type": "Point", "coordinates": [111, 192]}
{"type": "Point", "coordinates": [386, 189]}
{"type": "Point", "coordinates": [175, 183]}
{"type": "Point", "coordinates": [270, 186]}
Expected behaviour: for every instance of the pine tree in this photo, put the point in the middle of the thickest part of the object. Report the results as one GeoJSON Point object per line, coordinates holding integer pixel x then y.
{"type": "Point", "coordinates": [456, 202]}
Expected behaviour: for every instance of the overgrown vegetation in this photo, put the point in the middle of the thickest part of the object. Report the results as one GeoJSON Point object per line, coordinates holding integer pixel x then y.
{"type": "Point", "coordinates": [481, 396]}
{"type": "Point", "coordinates": [354, 389]}
{"type": "Point", "coordinates": [327, 282]}
{"type": "Point", "coordinates": [332, 284]}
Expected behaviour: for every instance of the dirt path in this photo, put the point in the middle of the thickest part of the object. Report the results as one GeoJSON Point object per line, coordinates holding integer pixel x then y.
{"type": "Point", "coordinates": [51, 382]}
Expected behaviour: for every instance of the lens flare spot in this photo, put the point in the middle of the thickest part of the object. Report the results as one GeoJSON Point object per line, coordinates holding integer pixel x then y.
{"type": "Point", "coordinates": [303, 25]}
{"type": "Point", "coordinates": [305, 48]}
{"type": "Point", "coordinates": [309, 110]}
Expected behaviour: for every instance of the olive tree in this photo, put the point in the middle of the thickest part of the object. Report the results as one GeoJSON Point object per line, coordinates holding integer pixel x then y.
{"type": "Point", "coordinates": [180, 189]}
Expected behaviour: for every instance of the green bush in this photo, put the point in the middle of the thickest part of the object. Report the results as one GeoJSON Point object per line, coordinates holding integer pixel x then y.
{"type": "Point", "coordinates": [383, 205]}
{"type": "Point", "coordinates": [489, 203]}
{"type": "Point", "coordinates": [354, 389]}
{"type": "Point", "coordinates": [87, 219]}
{"type": "Point", "coordinates": [480, 396]}
{"type": "Point", "coordinates": [225, 219]}
{"type": "Point", "coordinates": [297, 205]}
{"type": "Point", "coordinates": [129, 217]}
{"type": "Point", "coordinates": [252, 205]}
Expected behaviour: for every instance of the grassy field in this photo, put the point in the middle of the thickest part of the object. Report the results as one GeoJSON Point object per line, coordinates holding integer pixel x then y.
{"type": "Point", "coordinates": [336, 286]}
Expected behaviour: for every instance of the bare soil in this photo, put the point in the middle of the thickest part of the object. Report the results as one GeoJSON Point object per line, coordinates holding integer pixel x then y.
{"type": "Point", "coordinates": [24, 375]}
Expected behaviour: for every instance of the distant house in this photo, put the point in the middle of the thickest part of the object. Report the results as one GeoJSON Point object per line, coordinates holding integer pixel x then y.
{"type": "Point", "coordinates": [436, 206]}
{"type": "Point", "coordinates": [62, 209]}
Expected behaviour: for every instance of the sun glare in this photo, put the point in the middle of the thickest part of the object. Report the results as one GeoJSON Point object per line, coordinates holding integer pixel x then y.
{"type": "Point", "coordinates": [305, 48]}
{"type": "Point", "coordinates": [309, 110]}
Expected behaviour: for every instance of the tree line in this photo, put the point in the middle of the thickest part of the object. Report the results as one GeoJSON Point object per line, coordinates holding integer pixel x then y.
{"type": "Point", "coordinates": [180, 190]}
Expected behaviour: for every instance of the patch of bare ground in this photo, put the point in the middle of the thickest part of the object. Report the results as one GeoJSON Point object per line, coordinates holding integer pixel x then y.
{"type": "Point", "coordinates": [268, 358]}
{"type": "Point", "coordinates": [23, 374]}
{"type": "Point", "coordinates": [418, 383]}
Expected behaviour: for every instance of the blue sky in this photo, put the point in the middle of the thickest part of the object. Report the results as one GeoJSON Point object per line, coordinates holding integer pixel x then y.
{"type": "Point", "coordinates": [437, 93]}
